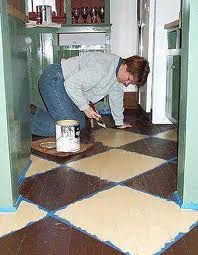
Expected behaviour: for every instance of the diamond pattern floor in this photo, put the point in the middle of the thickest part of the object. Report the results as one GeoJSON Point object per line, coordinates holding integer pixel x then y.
{"type": "Point", "coordinates": [63, 187]}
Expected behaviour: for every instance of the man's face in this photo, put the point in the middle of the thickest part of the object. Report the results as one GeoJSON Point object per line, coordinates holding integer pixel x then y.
{"type": "Point", "coordinates": [125, 77]}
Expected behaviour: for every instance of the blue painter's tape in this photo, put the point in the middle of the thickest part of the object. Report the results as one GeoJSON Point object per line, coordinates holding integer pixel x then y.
{"type": "Point", "coordinates": [88, 234]}
{"type": "Point", "coordinates": [166, 246]}
{"type": "Point", "coordinates": [173, 160]}
{"type": "Point", "coordinates": [179, 201]}
{"type": "Point", "coordinates": [39, 206]}
{"type": "Point", "coordinates": [11, 208]}
{"type": "Point", "coordinates": [21, 199]}
{"type": "Point", "coordinates": [23, 173]}
{"type": "Point", "coordinates": [179, 236]}
{"type": "Point", "coordinates": [22, 176]}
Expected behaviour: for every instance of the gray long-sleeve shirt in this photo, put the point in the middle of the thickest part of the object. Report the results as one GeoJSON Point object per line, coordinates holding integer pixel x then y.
{"type": "Point", "coordinates": [92, 76]}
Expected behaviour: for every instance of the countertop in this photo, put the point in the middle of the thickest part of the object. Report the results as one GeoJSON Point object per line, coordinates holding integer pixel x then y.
{"type": "Point", "coordinates": [173, 24]}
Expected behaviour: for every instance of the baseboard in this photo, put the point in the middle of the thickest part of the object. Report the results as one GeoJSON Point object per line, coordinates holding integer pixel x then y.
{"type": "Point", "coordinates": [183, 205]}
{"type": "Point", "coordinates": [11, 209]}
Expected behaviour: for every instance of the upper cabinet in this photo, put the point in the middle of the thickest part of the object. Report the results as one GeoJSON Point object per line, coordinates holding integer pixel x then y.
{"type": "Point", "coordinates": [73, 12]}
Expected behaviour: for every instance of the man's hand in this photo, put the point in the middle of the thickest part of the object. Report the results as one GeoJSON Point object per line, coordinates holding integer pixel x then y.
{"type": "Point", "coordinates": [125, 125]}
{"type": "Point", "coordinates": [91, 114]}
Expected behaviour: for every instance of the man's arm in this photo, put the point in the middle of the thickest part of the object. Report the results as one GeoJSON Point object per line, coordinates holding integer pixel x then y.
{"type": "Point", "coordinates": [116, 96]}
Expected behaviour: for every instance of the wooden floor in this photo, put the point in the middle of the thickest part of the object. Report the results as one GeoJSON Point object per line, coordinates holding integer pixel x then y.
{"type": "Point", "coordinates": [58, 188]}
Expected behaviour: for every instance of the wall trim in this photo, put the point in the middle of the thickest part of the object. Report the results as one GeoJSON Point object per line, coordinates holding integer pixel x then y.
{"type": "Point", "coordinates": [11, 208]}
{"type": "Point", "coordinates": [183, 205]}
{"type": "Point", "coordinates": [16, 13]}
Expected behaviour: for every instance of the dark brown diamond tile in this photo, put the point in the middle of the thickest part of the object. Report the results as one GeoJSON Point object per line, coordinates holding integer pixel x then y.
{"type": "Point", "coordinates": [60, 187]}
{"type": "Point", "coordinates": [147, 128]}
{"type": "Point", "coordinates": [161, 181]}
{"type": "Point", "coordinates": [188, 245]}
{"type": "Point", "coordinates": [141, 124]}
{"type": "Point", "coordinates": [50, 236]}
{"type": "Point", "coordinates": [154, 147]}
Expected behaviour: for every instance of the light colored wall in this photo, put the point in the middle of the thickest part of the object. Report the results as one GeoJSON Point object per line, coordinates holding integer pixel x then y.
{"type": "Point", "coordinates": [124, 29]}
{"type": "Point", "coordinates": [165, 12]}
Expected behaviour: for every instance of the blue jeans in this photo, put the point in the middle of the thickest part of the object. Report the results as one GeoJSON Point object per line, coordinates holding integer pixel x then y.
{"type": "Point", "coordinates": [58, 103]}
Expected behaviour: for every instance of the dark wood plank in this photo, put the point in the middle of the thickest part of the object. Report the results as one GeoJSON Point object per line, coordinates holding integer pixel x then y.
{"type": "Point", "coordinates": [160, 181]}
{"type": "Point", "coordinates": [60, 187]}
{"type": "Point", "coordinates": [155, 147]}
{"type": "Point", "coordinates": [52, 237]}
{"type": "Point", "coordinates": [187, 245]}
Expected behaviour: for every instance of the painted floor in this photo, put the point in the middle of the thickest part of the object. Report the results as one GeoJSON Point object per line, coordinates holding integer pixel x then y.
{"type": "Point", "coordinates": [116, 198]}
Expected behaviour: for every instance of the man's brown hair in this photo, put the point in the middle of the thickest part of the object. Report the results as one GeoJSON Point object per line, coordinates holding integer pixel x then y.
{"type": "Point", "coordinates": [138, 67]}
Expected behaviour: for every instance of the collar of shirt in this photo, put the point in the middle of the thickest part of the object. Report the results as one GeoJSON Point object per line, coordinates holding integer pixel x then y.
{"type": "Point", "coordinates": [118, 66]}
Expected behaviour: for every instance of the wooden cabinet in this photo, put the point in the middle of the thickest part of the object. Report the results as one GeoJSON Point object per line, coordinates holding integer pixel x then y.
{"type": "Point", "coordinates": [173, 74]}
{"type": "Point", "coordinates": [42, 51]}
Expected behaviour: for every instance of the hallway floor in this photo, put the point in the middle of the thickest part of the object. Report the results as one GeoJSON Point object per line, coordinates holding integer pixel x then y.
{"type": "Point", "coordinates": [115, 198]}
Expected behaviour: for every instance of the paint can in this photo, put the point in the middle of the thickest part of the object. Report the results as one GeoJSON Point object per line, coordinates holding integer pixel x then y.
{"type": "Point", "coordinates": [67, 136]}
{"type": "Point", "coordinates": [44, 14]}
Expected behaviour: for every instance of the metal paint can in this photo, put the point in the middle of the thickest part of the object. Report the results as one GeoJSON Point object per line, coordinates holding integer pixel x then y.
{"type": "Point", "coordinates": [67, 136]}
{"type": "Point", "coordinates": [44, 14]}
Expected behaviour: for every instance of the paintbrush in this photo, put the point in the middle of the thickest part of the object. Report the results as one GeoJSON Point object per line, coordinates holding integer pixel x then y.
{"type": "Point", "coordinates": [100, 122]}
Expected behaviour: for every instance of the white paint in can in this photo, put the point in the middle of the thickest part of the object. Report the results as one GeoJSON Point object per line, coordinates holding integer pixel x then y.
{"type": "Point", "coordinates": [67, 135]}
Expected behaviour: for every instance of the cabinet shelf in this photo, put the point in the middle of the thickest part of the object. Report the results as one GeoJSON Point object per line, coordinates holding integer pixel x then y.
{"type": "Point", "coordinates": [84, 28]}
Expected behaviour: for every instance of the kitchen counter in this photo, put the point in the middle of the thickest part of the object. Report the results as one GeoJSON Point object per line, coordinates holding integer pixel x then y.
{"type": "Point", "coordinates": [173, 24]}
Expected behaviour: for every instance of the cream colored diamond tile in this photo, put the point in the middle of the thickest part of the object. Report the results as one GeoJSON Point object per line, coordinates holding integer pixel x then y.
{"type": "Point", "coordinates": [135, 222]}
{"type": "Point", "coordinates": [116, 165]}
{"type": "Point", "coordinates": [39, 166]}
{"type": "Point", "coordinates": [168, 135]}
{"type": "Point", "coordinates": [25, 214]}
{"type": "Point", "coordinates": [115, 137]}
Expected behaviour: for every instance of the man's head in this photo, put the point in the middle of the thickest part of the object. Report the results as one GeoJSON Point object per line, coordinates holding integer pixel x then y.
{"type": "Point", "coordinates": [133, 70]}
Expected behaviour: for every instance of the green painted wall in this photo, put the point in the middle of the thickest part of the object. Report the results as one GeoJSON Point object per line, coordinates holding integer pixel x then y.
{"type": "Point", "coordinates": [188, 137]}
{"type": "Point", "coordinates": [6, 198]}
{"type": "Point", "coordinates": [21, 135]}
{"type": "Point", "coordinates": [15, 136]}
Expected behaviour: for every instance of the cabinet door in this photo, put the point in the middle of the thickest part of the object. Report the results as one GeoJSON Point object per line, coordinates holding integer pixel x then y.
{"type": "Point", "coordinates": [173, 87]}
{"type": "Point", "coordinates": [41, 53]}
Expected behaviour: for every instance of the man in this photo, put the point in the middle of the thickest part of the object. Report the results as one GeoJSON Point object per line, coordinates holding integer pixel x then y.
{"type": "Point", "coordinates": [67, 88]}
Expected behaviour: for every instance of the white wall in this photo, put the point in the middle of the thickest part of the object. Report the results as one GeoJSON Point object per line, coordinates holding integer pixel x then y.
{"type": "Point", "coordinates": [166, 11]}
{"type": "Point", "coordinates": [124, 29]}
